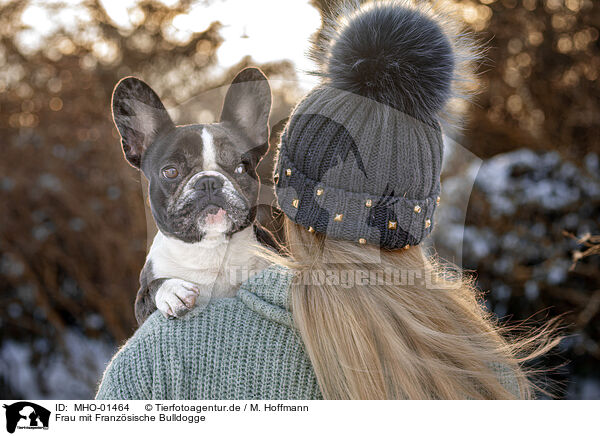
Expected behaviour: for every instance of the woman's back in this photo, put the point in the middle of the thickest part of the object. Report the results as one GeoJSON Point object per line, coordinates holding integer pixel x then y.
{"type": "Point", "coordinates": [235, 348]}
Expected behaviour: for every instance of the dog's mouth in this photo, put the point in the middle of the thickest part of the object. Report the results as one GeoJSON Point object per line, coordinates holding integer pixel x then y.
{"type": "Point", "coordinates": [196, 216]}
{"type": "Point", "coordinates": [214, 215]}
{"type": "Point", "coordinates": [218, 218]}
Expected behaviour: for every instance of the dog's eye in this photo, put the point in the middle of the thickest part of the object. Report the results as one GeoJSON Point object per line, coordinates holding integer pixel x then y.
{"type": "Point", "coordinates": [241, 168]}
{"type": "Point", "coordinates": [170, 172]}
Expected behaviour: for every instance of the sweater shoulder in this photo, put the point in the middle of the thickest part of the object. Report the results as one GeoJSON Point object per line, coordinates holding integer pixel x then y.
{"type": "Point", "coordinates": [244, 347]}
{"type": "Point", "coordinates": [128, 375]}
{"type": "Point", "coordinates": [131, 373]}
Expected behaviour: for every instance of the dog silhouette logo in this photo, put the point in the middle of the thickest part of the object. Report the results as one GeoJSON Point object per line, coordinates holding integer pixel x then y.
{"type": "Point", "coordinates": [26, 415]}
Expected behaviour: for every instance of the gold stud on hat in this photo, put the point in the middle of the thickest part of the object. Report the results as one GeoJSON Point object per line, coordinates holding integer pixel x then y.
{"type": "Point", "coordinates": [362, 241]}
{"type": "Point", "coordinates": [369, 203]}
{"type": "Point", "coordinates": [406, 247]}
{"type": "Point", "coordinates": [320, 191]}
{"type": "Point", "coordinates": [417, 209]}
{"type": "Point", "coordinates": [288, 172]}
{"type": "Point", "coordinates": [338, 217]}
{"type": "Point", "coordinates": [295, 202]}
{"type": "Point", "coordinates": [392, 225]}
{"type": "Point", "coordinates": [311, 230]}
{"type": "Point", "coordinates": [427, 224]}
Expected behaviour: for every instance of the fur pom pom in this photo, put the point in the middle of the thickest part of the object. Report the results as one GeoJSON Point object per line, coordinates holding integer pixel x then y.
{"type": "Point", "coordinates": [391, 52]}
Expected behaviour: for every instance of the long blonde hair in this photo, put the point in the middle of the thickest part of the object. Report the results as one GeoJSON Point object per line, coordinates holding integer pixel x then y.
{"type": "Point", "coordinates": [384, 340]}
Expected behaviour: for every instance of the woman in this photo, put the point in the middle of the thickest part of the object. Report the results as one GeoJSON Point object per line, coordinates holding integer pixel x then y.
{"type": "Point", "coordinates": [357, 310]}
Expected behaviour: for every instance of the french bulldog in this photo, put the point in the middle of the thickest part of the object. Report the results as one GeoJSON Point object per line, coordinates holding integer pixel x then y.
{"type": "Point", "coordinates": [203, 190]}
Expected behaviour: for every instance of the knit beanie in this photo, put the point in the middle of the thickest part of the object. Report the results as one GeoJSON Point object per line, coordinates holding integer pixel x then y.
{"type": "Point", "coordinates": [361, 155]}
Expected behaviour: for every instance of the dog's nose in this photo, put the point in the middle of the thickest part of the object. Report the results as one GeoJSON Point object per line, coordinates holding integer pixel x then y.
{"type": "Point", "coordinates": [209, 185]}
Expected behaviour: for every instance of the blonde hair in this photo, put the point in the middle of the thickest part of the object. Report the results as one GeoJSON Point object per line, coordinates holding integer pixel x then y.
{"type": "Point", "coordinates": [401, 341]}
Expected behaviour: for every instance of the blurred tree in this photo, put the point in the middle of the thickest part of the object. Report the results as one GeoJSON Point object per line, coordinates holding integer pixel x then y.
{"type": "Point", "coordinates": [73, 225]}
{"type": "Point", "coordinates": [541, 91]}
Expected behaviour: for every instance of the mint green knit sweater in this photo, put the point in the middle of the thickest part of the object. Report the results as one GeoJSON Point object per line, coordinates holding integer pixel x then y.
{"type": "Point", "coordinates": [235, 348]}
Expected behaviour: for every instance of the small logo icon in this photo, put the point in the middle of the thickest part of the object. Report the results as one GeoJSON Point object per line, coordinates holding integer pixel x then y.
{"type": "Point", "coordinates": [26, 415]}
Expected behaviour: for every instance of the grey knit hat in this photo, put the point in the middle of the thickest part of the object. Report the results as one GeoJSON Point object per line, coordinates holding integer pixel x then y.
{"type": "Point", "coordinates": [361, 155]}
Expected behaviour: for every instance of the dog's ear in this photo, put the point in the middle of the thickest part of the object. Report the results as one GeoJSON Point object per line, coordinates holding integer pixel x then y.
{"type": "Point", "coordinates": [247, 106]}
{"type": "Point", "coordinates": [139, 116]}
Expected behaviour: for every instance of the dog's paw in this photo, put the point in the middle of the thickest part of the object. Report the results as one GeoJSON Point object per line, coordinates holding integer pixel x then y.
{"type": "Point", "coordinates": [176, 297]}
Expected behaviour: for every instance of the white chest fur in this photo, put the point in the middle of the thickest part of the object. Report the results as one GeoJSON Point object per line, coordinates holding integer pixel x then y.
{"type": "Point", "coordinates": [217, 263]}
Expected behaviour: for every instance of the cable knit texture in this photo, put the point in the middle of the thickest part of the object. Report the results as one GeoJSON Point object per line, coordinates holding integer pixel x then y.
{"type": "Point", "coordinates": [358, 170]}
{"type": "Point", "coordinates": [235, 348]}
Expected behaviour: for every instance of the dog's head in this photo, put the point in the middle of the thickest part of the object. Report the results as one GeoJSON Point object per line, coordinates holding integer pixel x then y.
{"type": "Point", "coordinates": [202, 177]}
